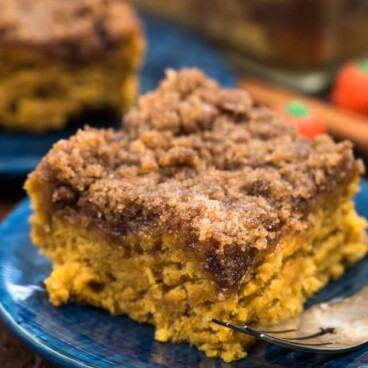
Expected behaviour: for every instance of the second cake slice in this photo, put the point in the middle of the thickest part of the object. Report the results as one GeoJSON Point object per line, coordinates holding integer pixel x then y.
{"type": "Point", "coordinates": [60, 59]}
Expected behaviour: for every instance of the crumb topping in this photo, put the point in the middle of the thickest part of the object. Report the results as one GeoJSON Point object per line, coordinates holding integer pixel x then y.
{"type": "Point", "coordinates": [66, 29]}
{"type": "Point", "coordinates": [198, 159]}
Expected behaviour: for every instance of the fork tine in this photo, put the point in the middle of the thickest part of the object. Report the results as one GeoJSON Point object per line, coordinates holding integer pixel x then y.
{"type": "Point", "coordinates": [291, 343]}
{"type": "Point", "coordinates": [323, 331]}
{"type": "Point", "coordinates": [277, 331]}
{"type": "Point", "coordinates": [244, 329]}
{"type": "Point", "coordinates": [259, 333]}
{"type": "Point", "coordinates": [268, 337]}
{"type": "Point", "coordinates": [288, 343]}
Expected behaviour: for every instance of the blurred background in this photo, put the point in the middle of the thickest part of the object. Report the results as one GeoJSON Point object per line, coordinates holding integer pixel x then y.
{"type": "Point", "coordinates": [297, 43]}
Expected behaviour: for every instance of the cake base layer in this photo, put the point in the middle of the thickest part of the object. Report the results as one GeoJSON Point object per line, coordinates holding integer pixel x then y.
{"type": "Point", "coordinates": [150, 278]}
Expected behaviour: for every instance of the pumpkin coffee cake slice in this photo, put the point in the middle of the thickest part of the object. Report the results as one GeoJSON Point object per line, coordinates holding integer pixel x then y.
{"type": "Point", "coordinates": [62, 59]}
{"type": "Point", "coordinates": [204, 205]}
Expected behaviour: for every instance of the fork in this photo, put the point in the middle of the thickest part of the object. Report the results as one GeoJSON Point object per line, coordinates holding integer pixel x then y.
{"type": "Point", "coordinates": [335, 327]}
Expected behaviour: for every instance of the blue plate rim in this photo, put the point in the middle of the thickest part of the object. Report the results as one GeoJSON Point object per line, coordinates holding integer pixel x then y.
{"type": "Point", "coordinates": [37, 345]}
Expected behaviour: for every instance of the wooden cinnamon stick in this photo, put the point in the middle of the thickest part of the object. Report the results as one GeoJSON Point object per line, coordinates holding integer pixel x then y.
{"type": "Point", "coordinates": [339, 123]}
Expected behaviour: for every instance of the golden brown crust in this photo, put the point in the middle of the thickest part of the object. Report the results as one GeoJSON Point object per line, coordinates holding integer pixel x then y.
{"type": "Point", "coordinates": [68, 29]}
{"type": "Point", "coordinates": [198, 160]}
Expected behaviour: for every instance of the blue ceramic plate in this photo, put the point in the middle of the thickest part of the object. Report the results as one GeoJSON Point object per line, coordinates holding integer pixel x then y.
{"type": "Point", "coordinates": [74, 336]}
{"type": "Point", "coordinates": [168, 46]}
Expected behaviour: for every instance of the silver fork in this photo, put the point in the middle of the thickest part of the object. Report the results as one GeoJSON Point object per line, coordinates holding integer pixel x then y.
{"type": "Point", "coordinates": [335, 327]}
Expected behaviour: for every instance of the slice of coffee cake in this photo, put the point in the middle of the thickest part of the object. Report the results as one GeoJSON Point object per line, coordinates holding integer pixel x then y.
{"type": "Point", "coordinates": [205, 205]}
{"type": "Point", "coordinates": [60, 59]}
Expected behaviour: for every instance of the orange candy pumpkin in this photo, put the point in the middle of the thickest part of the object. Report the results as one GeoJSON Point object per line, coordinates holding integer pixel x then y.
{"type": "Point", "coordinates": [308, 124]}
{"type": "Point", "coordinates": [351, 87]}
